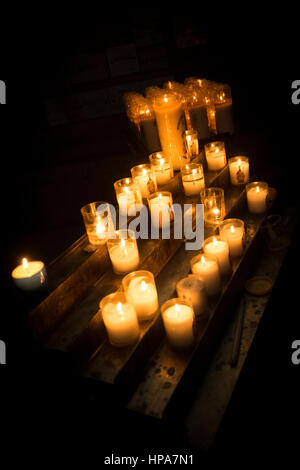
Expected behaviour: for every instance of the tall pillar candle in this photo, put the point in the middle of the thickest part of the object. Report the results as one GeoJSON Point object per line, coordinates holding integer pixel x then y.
{"type": "Point", "coordinates": [171, 126]}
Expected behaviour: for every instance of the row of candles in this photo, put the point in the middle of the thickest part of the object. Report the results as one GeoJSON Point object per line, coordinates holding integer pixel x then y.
{"type": "Point", "coordinates": [125, 310]}
{"type": "Point", "coordinates": [162, 116]}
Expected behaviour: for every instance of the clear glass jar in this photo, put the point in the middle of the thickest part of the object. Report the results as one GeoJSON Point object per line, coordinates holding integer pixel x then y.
{"type": "Point", "coordinates": [140, 291]}
{"type": "Point", "coordinates": [215, 155]}
{"type": "Point", "coordinates": [206, 268]}
{"type": "Point", "coordinates": [162, 166]}
{"type": "Point", "coordinates": [239, 170]}
{"type": "Point", "coordinates": [191, 143]}
{"type": "Point", "coordinates": [120, 320]}
{"type": "Point", "coordinates": [193, 290]}
{"type": "Point", "coordinates": [214, 205]}
{"type": "Point", "coordinates": [233, 231]}
{"type": "Point", "coordinates": [144, 177]}
{"type": "Point", "coordinates": [219, 248]}
{"type": "Point", "coordinates": [123, 251]}
{"type": "Point", "coordinates": [192, 179]}
{"type": "Point", "coordinates": [223, 108]}
{"type": "Point", "coordinates": [128, 195]}
{"type": "Point", "coordinates": [98, 222]}
{"type": "Point", "coordinates": [178, 319]}
{"type": "Point", "coordinates": [161, 208]}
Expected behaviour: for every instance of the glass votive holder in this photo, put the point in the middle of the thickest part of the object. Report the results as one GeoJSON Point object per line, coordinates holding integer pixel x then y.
{"type": "Point", "coordinates": [161, 208]}
{"type": "Point", "coordinates": [191, 142]}
{"type": "Point", "coordinates": [219, 248]}
{"type": "Point", "coordinates": [257, 193]}
{"type": "Point", "coordinates": [206, 268]}
{"type": "Point", "coordinates": [178, 319]}
{"type": "Point", "coordinates": [162, 166]}
{"type": "Point", "coordinates": [193, 290]}
{"type": "Point", "coordinates": [233, 231]}
{"type": "Point", "coordinates": [120, 320]}
{"type": "Point", "coordinates": [214, 205]}
{"type": "Point", "coordinates": [128, 195]}
{"type": "Point", "coordinates": [144, 177]}
{"type": "Point", "coordinates": [140, 291]}
{"type": "Point", "coordinates": [192, 176]}
{"type": "Point", "coordinates": [123, 251]}
{"type": "Point", "coordinates": [223, 108]}
{"type": "Point", "coordinates": [215, 155]}
{"type": "Point", "coordinates": [98, 222]}
{"type": "Point", "coordinates": [238, 170]}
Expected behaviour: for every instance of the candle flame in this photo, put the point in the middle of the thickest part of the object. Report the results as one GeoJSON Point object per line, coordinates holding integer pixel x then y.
{"type": "Point", "coordinates": [232, 228]}
{"type": "Point", "coordinates": [143, 285]}
{"type": "Point", "coordinates": [177, 308]}
{"type": "Point", "coordinates": [217, 149]}
{"type": "Point", "coordinates": [162, 161]}
{"type": "Point", "coordinates": [216, 211]}
{"type": "Point", "coordinates": [239, 161]}
{"type": "Point", "coordinates": [202, 259]}
{"type": "Point", "coordinates": [159, 196]}
{"type": "Point", "coordinates": [165, 99]}
{"type": "Point", "coordinates": [126, 190]}
{"type": "Point", "coordinates": [119, 307]}
{"type": "Point", "coordinates": [100, 227]}
{"type": "Point", "coordinates": [123, 243]}
{"type": "Point", "coordinates": [194, 171]}
{"type": "Point", "coordinates": [25, 263]}
{"type": "Point", "coordinates": [214, 240]}
{"type": "Point", "coordinates": [144, 171]}
{"type": "Point", "coordinates": [257, 189]}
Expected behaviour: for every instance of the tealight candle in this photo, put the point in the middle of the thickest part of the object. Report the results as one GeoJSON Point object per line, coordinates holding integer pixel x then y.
{"type": "Point", "coordinates": [238, 170]}
{"type": "Point", "coordinates": [30, 275]}
{"type": "Point", "coordinates": [162, 166]}
{"type": "Point", "coordinates": [160, 204]}
{"type": "Point", "coordinates": [98, 222]}
{"type": "Point", "coordinates": [206, 267]}
{"type": "Point", "coordinates": [192, 179]}
{"type": "Point", "coordinates": [144, 177]}
{"type": "Point", "coordinates": [171, 126]}
{"type": "Point", "coordinates": [193, 290]}
{"type": "Point", "coordinates": [128, 195]}
{"type": "Point", "coordinates": [178, 319]}
{"type": "Point", "coordinates": [257, 193]}
{"type": "Point", "coordinates": [219, 248]}
{"type": "Point", "coordinates": [140, 290]}
{"type": "Point", "coordinates": [120, 320]}
{"type": "Point", "coordinates": [214, 205]}
{"type": "Point", "coordinates": [123, 251]}
{"type": "Point", "coordinates": [191, 142]}
{"type": "Point", "coordinates": [215, 155]}
{"type": "Point", "coordinates": [232, 230]}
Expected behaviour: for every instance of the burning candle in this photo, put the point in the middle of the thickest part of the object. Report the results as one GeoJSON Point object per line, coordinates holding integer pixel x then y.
{"type": "Point", "coordinates": [30, 275]}
{"type": "Point", "coordinates": [123, 251]}
{"type": "Point", "coordinates": [144, 177]}
{"type": "Point", "coordinates": [162, 166]}
{"type": "Point", "coordinates": [215, 155]}
{"type": "Point", "coordinates": [192, 179]}
{"type": "Point", "coordinates": [140, 290]}
{"type": "Point", "coordinates": [219, 248]}
{"type": "Point", "coordinates": [232, 230]}
{"type": "Point", "coordinates": [257, 193]}
{"type": "Point", "coordinates": [98, 222]}
{"type": "Point", "coordinates": [193, 290]}
{"type": "Point", "coordinates": [120, 320]}
{"type": "Point", "coordinates": [191, 142]}
{"type": "Point", "coordinates": [128, 195]}
{"type": "Point", "coordinates": [160, 204]}
{"type": "Point", "coordinates": [214, 205]}
{"type": "Point", "coordinates": [238, 170]}
{"type": "Point", "coordinates": [171, 126]}
{"type": "Point", "coordinates": [206, 267]}
{"type": "Point", "coordinates": [178, 319]}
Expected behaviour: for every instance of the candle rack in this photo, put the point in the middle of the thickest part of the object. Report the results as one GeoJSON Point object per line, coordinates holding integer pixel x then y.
{"type": "Point", "coordinates": [69, 319]}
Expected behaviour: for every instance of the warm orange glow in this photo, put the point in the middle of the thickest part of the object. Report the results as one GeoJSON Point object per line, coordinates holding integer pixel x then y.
{"type": "Point", "coordinates": [214, 240]}
{"type": "Point", "coordinates": [25, 263]}
{"type": "Point", "coordinates": [119, 307]}
{"type": "Point", "coordinates": [123, 243]}
{"type": "Point", "coordinates": [177, 308]}
{"type": "Point", "coordinates": [143, 285]}
{"type": "Point", "coordinates": [194, 171]}
{"type": "Point", "coordinates": [232, 228]}
{"type": "Point", "coordinates": [202, 259]}
{"type": "Point", "coordinates": [257, 189]}
{"type": "Point", "coordinates": [162, 161]}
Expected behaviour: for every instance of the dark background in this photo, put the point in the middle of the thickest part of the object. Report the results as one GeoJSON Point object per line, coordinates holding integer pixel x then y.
{"type": "Point", "coordinates": [49, 172]}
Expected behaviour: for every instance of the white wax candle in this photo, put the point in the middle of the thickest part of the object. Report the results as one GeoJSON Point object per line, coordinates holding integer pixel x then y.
{"type": "Point", "coordinates": [124, 257]}
{"type": "Point", "coordinates": [171, 125]}
{"type": "Point", "coordinates": [224, 119]}
{"type": "Point", "coordinates": [121, 323]}
{"type": "Point", "coordinates": [193, 183]}
{"type": "Point", "coordinates": [216, 159]}
{"type": "Point", "coordinates": [143, 295]}
{"type": "Point", "coordinates": [160, 208]}
{"type": "Point", "coordinates": [178, 322]}
{"type": "Point", "coordinates": [125, 201]}
{"type": "Point", "coordinates": [257, 200]}
{"type": "Point", "coordinates": [234, 237]}
{"type": "Point", "coordinates": [239, 172]}
{"type": "Point", "coordinates": [193, 290]}
{"type": "Point", "coordinates": [208, 271]}
{"type": "Point", "coordinates": [30, 275]}
{"type": "Point", "coordinates": [220, 249]}
{"type": "Point", "coordinates": [163, 173]}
